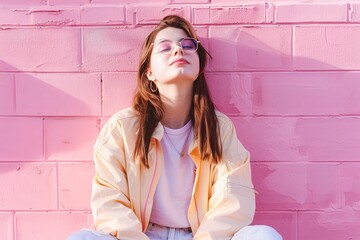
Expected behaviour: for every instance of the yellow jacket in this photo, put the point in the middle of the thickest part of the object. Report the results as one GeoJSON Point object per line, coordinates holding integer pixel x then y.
{"type": "Point", "coordinates": [223, 198]}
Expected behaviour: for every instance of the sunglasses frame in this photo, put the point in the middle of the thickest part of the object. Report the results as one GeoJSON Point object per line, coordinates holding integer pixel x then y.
{"type": "Point", "coordinates": [177, 44]}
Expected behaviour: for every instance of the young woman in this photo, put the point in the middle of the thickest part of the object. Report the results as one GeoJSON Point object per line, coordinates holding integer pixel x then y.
{"type": "Point", "coordinates": [171, 167]}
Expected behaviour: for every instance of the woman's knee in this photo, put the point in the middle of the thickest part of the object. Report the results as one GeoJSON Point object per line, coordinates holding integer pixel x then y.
{"type": "Point", "coordinates": [257, 232]}
{"type": "Point", "coordinates": [81, 235]}
{"type": "Point", "coordinates": [88, 234]}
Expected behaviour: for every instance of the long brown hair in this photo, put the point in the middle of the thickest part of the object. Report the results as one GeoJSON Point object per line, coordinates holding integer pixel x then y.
{"type": "Point", "coordinates": [148, 104]}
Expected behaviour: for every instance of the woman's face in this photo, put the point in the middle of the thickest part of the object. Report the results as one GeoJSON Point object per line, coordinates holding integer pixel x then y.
{"type": "Point", "coordinates": [169, 66]}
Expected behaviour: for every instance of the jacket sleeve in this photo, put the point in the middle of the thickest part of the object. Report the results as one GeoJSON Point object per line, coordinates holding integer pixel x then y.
{"type": "Point", "coordinates": [232, 198]}
{"type": "Point", "coordinates": [110, 201]}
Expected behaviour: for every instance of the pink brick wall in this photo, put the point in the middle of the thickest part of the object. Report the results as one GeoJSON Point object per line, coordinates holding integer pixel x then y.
{"type": "Point", "coordinates": [286, 72]}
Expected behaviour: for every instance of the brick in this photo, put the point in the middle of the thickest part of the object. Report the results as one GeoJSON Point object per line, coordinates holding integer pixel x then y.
{"type": "Point", "coordinates": [153, 13]}
{"type": "Point", "coordinates": [118, 91]}
{"type": "Point", "coordinates": [314, 12]}
{"type": "Point", "coordinates": [21, 139]}
{"type": "Point", "coordinates": [326, 139]}
{"type": "Point", "coordinates": [350, 185]}
{"type": "Point", "coordinates": [190, 1]}
{"type": "Point", "coordinates": [326, 47]}
{"type": "Point", "coordinates": [51, 49]}
{"type": "Point", "coordinates": [6, 225]}
{"type": "Point", "coordinates": [59, 225]}
{"type": "Point", "coordinates": [11, 16]}
{"type": "Point", "coordinates": [284, 222]}
{"type": "Point", "coordinates": [232, 93]}
{"type": "Point", "coordinates": [75, 185]}
{"type": "Point", "coordinates": [28, 186]}
{"type": "Point", "coordinates": [113, 49]}
{"type": "Point", "coordinates": [22, 3]}
{"type": "Point", "coordinates": [7, 98]}
{"type": "Point", "coordinates": [250, 13]}
{"type": "Point", "coordinates": [70, 139]}
{"type": "Point", "coordinates": [58, 94]}
{"type": "Point", "coordinates": [254, 48]}
{"type": "Point", "coordinates": [271, 138]}
{"type": "Point", "coordinates": [329, 225]}
{"type": "Point", "coordinates": [307, 186]}
{"type": "Point", "coordinates": [225, 2]}
{"type": "Point", "coordinates": [201, 15]}
{"type": "Point", "coordinates": [55, 16]}
{"type": "Point", "coordinates": [329, 139]}
{"type": "Point", "coordinates": [268, 93]}
{"type": "Point", "coordinates": [354, 13]}
{"type": "Point", "coordinates": [127, 1]}
{"type": "Point", "coordinates": [91, 14]}
{"type": "Point", "coordinates": [40, 15]}
{"type": "Point", "coordinates": [68, 2]}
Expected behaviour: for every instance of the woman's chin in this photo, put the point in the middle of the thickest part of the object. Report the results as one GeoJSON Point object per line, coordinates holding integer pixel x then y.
{"type": "Point", "coordinates": [182, 76]}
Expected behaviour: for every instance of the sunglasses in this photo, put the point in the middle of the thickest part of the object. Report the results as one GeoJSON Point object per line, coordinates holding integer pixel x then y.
{"type": "Point", "coordinates": [188, 45]}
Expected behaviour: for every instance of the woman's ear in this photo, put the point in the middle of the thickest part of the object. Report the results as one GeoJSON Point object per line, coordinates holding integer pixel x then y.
{"type": "Point", "coordinates": [149, 74]}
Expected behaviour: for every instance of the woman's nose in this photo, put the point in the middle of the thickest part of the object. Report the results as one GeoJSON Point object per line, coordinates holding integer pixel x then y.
{"type": "Point", "coordinates": [178, 50]}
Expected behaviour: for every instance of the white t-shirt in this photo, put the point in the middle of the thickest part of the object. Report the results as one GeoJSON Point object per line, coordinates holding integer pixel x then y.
{"type": "Point", "coordinates": [173, 192]}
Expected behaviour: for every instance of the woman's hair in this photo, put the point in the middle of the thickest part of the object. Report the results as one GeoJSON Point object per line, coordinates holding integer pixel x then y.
{"type": "Point", "coordinates": [148, 104]}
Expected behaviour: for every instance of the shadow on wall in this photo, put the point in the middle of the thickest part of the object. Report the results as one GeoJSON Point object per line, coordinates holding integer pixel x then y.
{"type": "Point", "coordinates": [34, 105]}
{"type": "Point", "coordinates": [296, 115]}
{"type": "Point", "coordinates": [250, 77]}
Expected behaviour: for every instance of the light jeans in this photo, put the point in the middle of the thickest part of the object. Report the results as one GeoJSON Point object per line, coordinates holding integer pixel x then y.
{"type": "Point", "coordinates": [156, 232]}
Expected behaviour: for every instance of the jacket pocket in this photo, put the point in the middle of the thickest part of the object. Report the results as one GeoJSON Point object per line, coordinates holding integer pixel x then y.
{"type": "Point", "coordinates": [238, 188]}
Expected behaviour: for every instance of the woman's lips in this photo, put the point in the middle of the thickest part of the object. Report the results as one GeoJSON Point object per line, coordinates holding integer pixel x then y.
{"type": "Point", "coordinates": [179, 61]}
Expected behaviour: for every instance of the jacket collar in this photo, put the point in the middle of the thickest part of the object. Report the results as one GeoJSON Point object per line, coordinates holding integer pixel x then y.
{"type": "Point", "coordinates": [158, 132]}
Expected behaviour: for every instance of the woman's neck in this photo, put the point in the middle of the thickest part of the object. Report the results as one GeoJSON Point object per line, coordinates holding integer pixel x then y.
{"type": "Point", "coordinates": [176, 108]}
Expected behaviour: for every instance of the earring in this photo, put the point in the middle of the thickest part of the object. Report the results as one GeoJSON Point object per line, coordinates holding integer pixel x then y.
{"type": "Point", "coordinates": [152, 87]}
